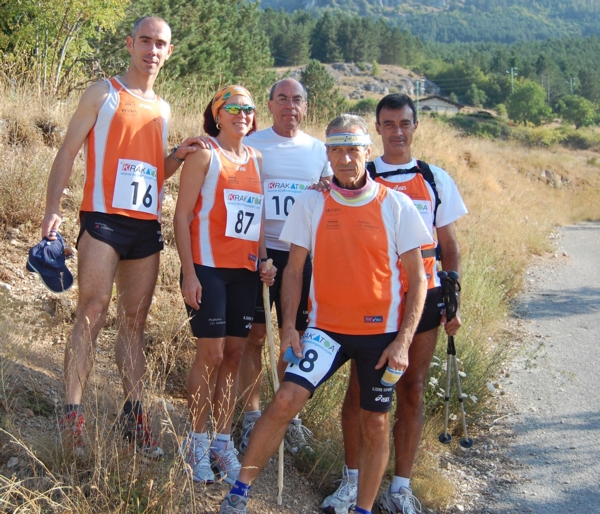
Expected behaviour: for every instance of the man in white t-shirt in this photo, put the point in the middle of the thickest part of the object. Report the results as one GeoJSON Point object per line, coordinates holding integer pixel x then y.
{"type": "Point", "coordinates": [292, 161]}
{"type": "Point", "coordinates": [396, 123]}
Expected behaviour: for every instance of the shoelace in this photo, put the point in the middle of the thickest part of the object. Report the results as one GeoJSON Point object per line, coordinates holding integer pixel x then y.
{"type": "Point", "coordinates": [408, 503]}
{"type": "Point", "coordinates": [229, 458]}
{"type": "Point", "coordinates": [299, 432]}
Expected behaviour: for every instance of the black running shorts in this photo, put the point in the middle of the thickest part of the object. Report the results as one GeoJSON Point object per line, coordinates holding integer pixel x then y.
{"type": "Point", "coordinates": [227, 305]}
{"type": "Point", "coordinates": [432, 311]}
{"type": "Point", "coordinates": [280, 259]}
{"type": "Point", "coordinates": [322, 358]}
{"type": "Point", "coordinates": [132, 238]}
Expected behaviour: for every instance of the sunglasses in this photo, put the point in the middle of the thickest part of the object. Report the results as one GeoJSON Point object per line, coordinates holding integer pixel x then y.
{"type": "Point", "coordinates": [236, 109]}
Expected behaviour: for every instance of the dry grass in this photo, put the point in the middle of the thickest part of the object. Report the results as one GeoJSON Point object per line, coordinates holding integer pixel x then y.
{"type": "Point", "coordinates": [515, 195]}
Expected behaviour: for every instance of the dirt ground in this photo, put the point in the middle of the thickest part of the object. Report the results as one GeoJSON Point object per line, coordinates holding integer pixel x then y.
{"type": "Point", "coordinates": [40, 321]}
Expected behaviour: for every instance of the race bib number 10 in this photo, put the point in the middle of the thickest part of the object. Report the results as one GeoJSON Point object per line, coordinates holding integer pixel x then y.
{"type": "Point", "coordinates": [244, 212]}
{"type": "Point", "coordinates": [280, 197]}
{"type": "Point", "coordinates": [136, 187]}
{"type": "Point", "coordinates": [319, 352]}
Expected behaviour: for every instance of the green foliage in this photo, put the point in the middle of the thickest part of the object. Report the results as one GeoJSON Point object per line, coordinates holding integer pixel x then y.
{"type": "Point", "coordinates": [475, 96]}
{"type": "Point", "coordinates": [491, 128]}
{"type": "Point", "coordinates": [364, 106]}
{"type": "Point", "coordinates": [577, 110]}
{"type": "Point", "coordinates": [325, 102]}
{"type": "Point", "coordinates": [528, 104]}
{"type": "Point", "coordinates": [223, 42]}
{"type": "Point", "coordinates": [48, 43]}
{"type": "Point", "coordinates": [500, 109]}
{"type": "Point", "coordinates": [376, 69]}
{"type": "Point", "coordinates": [505, 21]}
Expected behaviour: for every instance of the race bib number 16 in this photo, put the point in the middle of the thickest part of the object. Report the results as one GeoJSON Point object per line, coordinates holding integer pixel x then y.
{"type": "Point", "coordinates": [244, 213]}
{"type": "Point", "coordinates": [136, 187]}
{"type": "Point", "coordinates": [319, 352]}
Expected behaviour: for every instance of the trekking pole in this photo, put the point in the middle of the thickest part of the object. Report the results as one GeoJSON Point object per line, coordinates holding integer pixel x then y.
{"type": "Point", "coordinates": [269, 326]}
{"type": "Point", "coordinates": [450, 287]}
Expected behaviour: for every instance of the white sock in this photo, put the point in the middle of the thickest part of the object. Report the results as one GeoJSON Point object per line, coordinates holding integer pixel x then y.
{"type": "Point", "coordinates": [353, 476]}
{"type": "Point", "coordinates": [252, 416]}
{"type": "Point", "coordinates": [399, 482]}
{"type": "Point", "coordinates": [222, 441]}
{"type": "Point", "coordinates": [199, 436]}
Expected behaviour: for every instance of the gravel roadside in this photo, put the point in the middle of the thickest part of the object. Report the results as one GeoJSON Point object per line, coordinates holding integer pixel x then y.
{"type": "Point", "coordinates": [550, 451]}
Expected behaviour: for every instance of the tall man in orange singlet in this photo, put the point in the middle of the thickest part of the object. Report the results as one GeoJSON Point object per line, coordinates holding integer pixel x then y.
{"type": "Point", "coordinates": [124, 125]}
{"type": "Point", "coordinates": [396, 123]}
{"type": "Point", "coordinates": [357, 233]}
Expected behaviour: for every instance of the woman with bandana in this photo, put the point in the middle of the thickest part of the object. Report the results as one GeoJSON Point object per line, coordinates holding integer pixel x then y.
{"type": "Point", "coordinates": [218, 228]}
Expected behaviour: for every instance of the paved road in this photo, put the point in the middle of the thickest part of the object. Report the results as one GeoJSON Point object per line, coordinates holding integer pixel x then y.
{"type": "Point", "coordinates": [556, 383]}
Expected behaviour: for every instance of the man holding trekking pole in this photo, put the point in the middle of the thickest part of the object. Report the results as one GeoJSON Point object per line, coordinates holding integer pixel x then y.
{"type": "Point", "coordinates": [396, 123]}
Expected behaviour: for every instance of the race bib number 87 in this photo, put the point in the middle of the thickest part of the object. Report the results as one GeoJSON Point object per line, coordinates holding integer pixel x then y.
{"type": "Point", "coordinates": [319, 352]}
{"type": "Point", "coordinates": [136, 187]}
{"type": "Point", "coordinates": [244, 213]}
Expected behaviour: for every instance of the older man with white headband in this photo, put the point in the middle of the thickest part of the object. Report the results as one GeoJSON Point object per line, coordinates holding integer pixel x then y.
{"type": "Point", "coordinates": [355, 305]}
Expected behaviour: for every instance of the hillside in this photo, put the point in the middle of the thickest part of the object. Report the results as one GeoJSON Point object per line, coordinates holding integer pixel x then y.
{"type": "Point", "coordinates": [451, 21]}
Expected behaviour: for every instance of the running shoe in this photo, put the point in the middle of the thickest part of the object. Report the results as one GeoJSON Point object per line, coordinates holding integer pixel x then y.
{"type": "Point", "coordinates": [233, 504]}
{"type": "Point", "coordinates": [344, 498]}
{"type": "Point", "coordinates": [226, 463]}
{"type": "Point", "coordinates": [196, 455]}
{"type": "Point", "coordinates": [136, 429]}
{"type": "Point", "coordinates": [402, 502]}
{"type": "Point", "coordinates": [295, 437]}
{"type": "Point", "coordinates": [247, 428]}
{"type": "Point", "coordinates": [72, 427]}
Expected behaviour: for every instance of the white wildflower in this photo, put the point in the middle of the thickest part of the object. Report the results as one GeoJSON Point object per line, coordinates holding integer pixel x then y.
{"type": "Point", "coordinates": [474, 398]}
{"type": "Point", "coordinates": [462, 374]}
{"type": "Point", "coordinates": [453, 417]}
{"type": "Point", "coordinates": [491, 387]}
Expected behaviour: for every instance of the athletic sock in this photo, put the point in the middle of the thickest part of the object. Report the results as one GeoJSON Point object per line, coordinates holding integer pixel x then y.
{"type": "Point", "coordinates": [353, 476]}
{"type": "Point", "coordinates": [240, 489]}
{"type": "Point", "coordinates": [72, 407]}
{"type": "Point", "coordinates": [398, 482]}
{"type": "Point", "coordinates": [199, 436]}
{"type": "Point", "coordinates": [358, 510]}
{"type": "Point", "coordinates": [252, 416]}
{"type": "Point", "coordinates": [221, 441]}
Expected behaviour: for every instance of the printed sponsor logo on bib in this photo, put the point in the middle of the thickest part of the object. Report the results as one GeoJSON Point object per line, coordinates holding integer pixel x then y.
{"type": "Point", "coordinates": [244, 210]}
{"type": "Point", "coordinates": [136, 186]}
{"type": "Point", "coordinates": [281, 196]}
{"type": "Point", "coordinates": [319, 352]}
{"type": "Point", "coordinates": [424, 208]}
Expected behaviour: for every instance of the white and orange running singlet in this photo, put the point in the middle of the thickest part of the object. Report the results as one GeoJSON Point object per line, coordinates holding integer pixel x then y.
{"type": "Point", "coordinates": [124, 156]}
{"type": "Point", "coordinates": [227, 220]}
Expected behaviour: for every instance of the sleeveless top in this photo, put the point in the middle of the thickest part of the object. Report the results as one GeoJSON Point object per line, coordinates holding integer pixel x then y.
{"type": "Point", "coordinates": [124, 156]}
{"type": "Point", "coordinates": [227, 221]}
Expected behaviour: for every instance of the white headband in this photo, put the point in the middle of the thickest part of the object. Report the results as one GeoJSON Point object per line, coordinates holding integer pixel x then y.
{"type": "Point", "coordinates": [348, 139]}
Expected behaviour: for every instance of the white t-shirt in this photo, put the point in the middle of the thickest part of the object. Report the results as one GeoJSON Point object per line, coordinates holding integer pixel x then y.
{"type": "Point", "coordinates": [452, 206]}
{"type": "Point", "coordinates": [408, 228]}
{"type": "Point", "coordinates": [290, 165]}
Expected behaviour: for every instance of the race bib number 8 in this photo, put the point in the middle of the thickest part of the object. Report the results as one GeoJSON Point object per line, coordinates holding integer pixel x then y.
{"type": "Point", "coordinates": [281, 196]}
{"type": "Point", "coordinates": [136, 187]}
{"type": "Point", "coordinates": [319, 352]}
{"type": "Point", "coordinates": [244, 212]}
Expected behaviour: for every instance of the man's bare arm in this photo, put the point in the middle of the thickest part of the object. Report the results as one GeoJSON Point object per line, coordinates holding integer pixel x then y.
{"type": "Point", "coordinates": [80, 126]}
{"type": "Point", "coordinates": [396, 354]}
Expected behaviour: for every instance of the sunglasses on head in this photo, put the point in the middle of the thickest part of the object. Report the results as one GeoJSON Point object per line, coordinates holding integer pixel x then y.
{"type": "Point", "coordinates": [236, 109]}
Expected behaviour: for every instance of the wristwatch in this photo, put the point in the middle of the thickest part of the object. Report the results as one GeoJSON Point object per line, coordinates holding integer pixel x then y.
{"type": "Point", "coordinates": [172, 154]}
